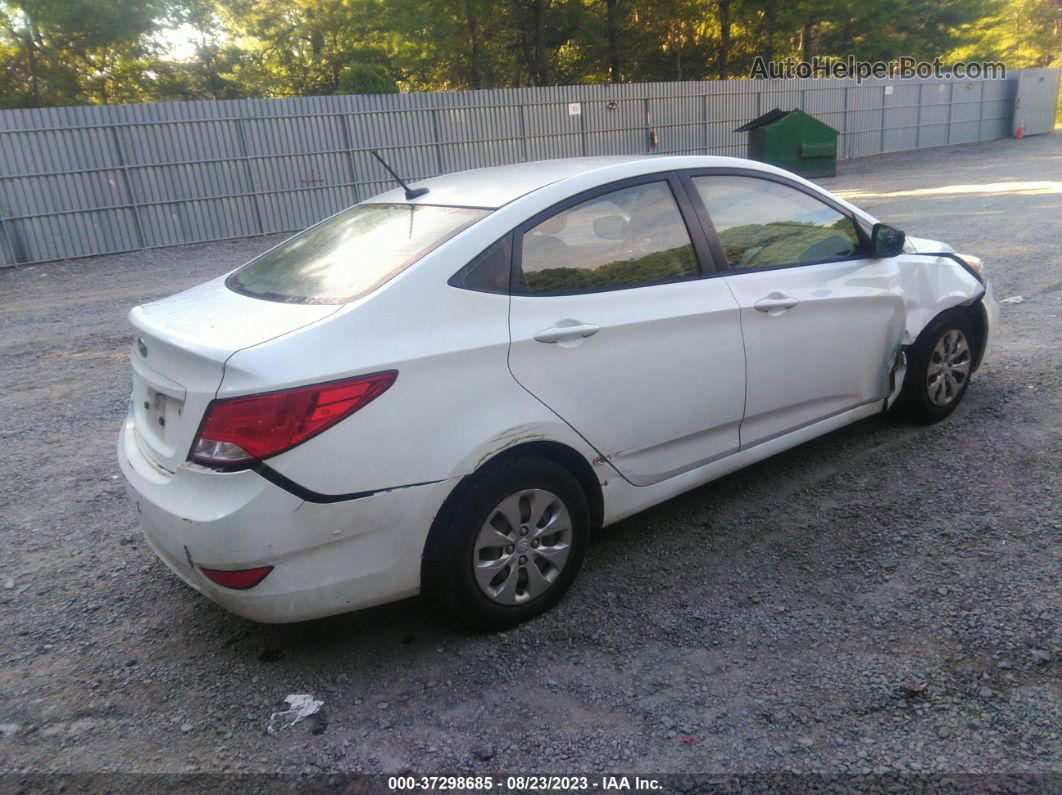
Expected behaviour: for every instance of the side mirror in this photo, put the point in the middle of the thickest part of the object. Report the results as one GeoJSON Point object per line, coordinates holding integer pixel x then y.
{"type": "Point", "coordinates": [886, 241]}
{"type": "Point", "coordinates": [610, 227]}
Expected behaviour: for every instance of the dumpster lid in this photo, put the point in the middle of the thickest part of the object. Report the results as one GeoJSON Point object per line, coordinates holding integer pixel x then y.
{"type": "Point", "coordinates": [772, 116]}
{"type": "Point", "coordinates": [765, 119]}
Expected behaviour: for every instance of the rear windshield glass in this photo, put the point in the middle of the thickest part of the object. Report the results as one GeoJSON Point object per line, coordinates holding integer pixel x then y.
{"type": "Point", "coordinates": [350, 254]}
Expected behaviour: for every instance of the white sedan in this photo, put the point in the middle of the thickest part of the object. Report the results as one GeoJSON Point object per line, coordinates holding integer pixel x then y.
{"type": "Point", "coordinates": [447, 389]}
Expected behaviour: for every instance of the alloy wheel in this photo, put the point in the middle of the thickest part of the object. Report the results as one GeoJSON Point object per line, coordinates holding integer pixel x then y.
{"type": "Point", "coordinates": [522, 546]}
{"type": "Point", "coordinates": [949, 367]}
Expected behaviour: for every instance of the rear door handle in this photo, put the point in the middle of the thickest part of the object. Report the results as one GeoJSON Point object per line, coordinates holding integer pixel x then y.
{"type": "Point", "coordinates": [557, 333]}
{"type": "Point", "coordinates": [775, 303]}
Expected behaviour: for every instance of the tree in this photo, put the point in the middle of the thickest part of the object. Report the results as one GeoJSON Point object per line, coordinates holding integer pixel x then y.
{"type": "Point", "coordinates": [55, 52]}
{"type": "Point", "coordinates": [612, 23]}
{"type": "Point", "coordinates": [724, 39]}
{"type": "Point", "coordinates": [924, 29]}
{"type": "Point", "coordinates": [60, 53]}
{"type": "Point", "coordinates": [1023, 33]}
{"type": "Point", "coordinates": [465, 44]}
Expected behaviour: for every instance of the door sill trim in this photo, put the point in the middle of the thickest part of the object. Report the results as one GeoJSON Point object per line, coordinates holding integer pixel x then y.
{"type": "Point", "coordinates": [634, 499]}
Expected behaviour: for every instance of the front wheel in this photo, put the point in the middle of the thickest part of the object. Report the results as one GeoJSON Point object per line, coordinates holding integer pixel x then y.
{"type": "Point", "coordinates": [940, 364]}
{"type": "Point", "coordinates": [511, 546]}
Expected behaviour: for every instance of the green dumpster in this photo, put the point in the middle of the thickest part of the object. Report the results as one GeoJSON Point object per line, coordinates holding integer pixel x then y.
{"type": "Point", "coordinates": [793, 140]}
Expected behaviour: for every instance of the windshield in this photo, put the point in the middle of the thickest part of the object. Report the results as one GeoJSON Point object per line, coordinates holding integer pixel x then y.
{"type": "Point", "coordinates": [350, 254]}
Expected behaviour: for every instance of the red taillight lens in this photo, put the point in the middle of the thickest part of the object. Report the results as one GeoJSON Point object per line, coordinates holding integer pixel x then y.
{"type": "Point", "coordinates": [241, 579]}
{"type": "Point", "coordinates": [241, 430]}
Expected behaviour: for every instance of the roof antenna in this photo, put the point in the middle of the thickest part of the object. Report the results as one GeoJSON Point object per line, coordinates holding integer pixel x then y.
{"type": "Point", "coordinates": [411, 193]}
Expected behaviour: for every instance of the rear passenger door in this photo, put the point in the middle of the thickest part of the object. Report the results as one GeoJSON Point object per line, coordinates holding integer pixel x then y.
{"type": "Point", "coordinates": [822, 321]}
{"type": "Point", "coordinates": [616, 328]}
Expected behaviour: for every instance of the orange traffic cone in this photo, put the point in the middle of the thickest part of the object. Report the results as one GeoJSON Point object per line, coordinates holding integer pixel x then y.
{"type": "Point", "coordinates": [1020, 132]}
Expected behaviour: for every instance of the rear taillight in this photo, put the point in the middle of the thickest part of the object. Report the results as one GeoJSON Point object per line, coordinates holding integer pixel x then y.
{"type": "Point", "coordinates": [239, 431]}
{"type": "Point", "coordinates": [238, 579]}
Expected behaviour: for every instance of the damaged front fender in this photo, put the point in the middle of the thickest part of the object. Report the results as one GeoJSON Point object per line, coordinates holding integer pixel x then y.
{"type": "Point", "coordinates": [933, 283]}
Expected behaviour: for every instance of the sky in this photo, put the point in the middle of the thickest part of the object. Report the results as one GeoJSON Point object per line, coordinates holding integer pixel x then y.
{"type": "Point", "coordinates": [180, 42]}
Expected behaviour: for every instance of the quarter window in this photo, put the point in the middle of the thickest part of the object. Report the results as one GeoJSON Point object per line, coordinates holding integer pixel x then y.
{"type": "Point", "coordinates": [762, 223]}
{"type": "Point", "coordinates": [488, 272]}
{"type": "Point", "coordinates": [628, 237]}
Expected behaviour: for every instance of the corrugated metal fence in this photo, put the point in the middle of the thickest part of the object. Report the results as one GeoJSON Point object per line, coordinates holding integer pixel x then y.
{"type": "Point", "coordinates": [99, 179]}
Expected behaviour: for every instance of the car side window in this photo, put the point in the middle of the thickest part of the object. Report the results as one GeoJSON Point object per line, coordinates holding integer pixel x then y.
{"type": "Point", "coordinates": [488, 272]}
{"type": "Point", "coordinates": [762, 223]}
{"type": "Point", "coordinates": [625, 238]}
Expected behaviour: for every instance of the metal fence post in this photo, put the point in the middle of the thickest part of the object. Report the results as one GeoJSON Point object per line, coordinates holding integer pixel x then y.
{"type": "Point", "coordinates": [7, 245]}
{"type": "Point", "coordinates": [918, 121]}
{"type": "Point", "coordinates": [707, 133]}
{"type": "Point", "coordinates": [128, 186]}
{"type": "Point", "coordinates": [951, 101]}
{"type": "Point", "coordinates": [582, 129]}
{"type": "Point", "coordinates": [249, 173]}
{"type": "Point", "coordinates": [437, 135]}
{"type": "Point", "coordinates": [981, 112]}
{"type": "Point", "coordinates": [348, 142]}
{"type": "Point", "coordinates": [647, 139]}
{"type": "Point", "coordinates": [523, 132]}
{"type": "Point", "coordinates": [844, 124]}
{"type": "Point", "coordinates": [881, 146]}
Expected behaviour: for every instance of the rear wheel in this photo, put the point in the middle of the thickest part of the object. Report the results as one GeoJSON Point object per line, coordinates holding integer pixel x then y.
{"type": "Point", "coordinates": [940, 364]}
{"type": "Point", "coordinates": [510, 546]}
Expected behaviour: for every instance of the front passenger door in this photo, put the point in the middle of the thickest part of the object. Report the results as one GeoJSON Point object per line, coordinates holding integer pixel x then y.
{"type": "Point", "coordinates": [822, 321]}
{"type": "Point", "coordinates": [616, 329]}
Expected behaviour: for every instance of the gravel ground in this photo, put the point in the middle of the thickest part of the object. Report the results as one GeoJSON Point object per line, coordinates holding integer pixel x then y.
{"type": "Point", "coordinates": [885, 599]}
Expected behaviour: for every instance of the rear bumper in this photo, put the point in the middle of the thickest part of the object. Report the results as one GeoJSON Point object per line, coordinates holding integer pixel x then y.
{"type": "Point", "coordinates": [327, 558]}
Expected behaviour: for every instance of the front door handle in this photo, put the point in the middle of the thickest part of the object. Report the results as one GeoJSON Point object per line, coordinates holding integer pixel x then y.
{"type": "Point", "coordinates": [775, 303]}
{"type": "Point", "coordinates": [558, 333]}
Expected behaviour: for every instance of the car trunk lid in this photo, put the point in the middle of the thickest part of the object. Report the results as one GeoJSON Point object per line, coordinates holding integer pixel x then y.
{"type": "Point", "coordinates": [180, 348]}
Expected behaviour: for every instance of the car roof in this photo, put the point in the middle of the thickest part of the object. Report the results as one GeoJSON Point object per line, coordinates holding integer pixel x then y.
{"type": "Point", "coordinates": [498, 185]}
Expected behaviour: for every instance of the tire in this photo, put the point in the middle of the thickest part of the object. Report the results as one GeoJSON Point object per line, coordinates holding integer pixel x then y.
{"type": "Point", "coordinates": [479, 554]}
{"type": "Point", "coordinates": [939, 367]}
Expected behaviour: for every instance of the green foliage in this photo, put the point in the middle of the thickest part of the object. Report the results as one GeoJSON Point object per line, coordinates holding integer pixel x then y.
{"type": "Point", "coordinates": [786, 242]}
{"type": "Point", "coordinates": [366, 78]}
{"type": "Point", "coordinates": [1023, 33]}
{"type": "Point", "coordinates": [654, 267]}
{"type": "Point", "coordinates": [55, 52]}
{"type": "Point", "coordinates": [923, 29]}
